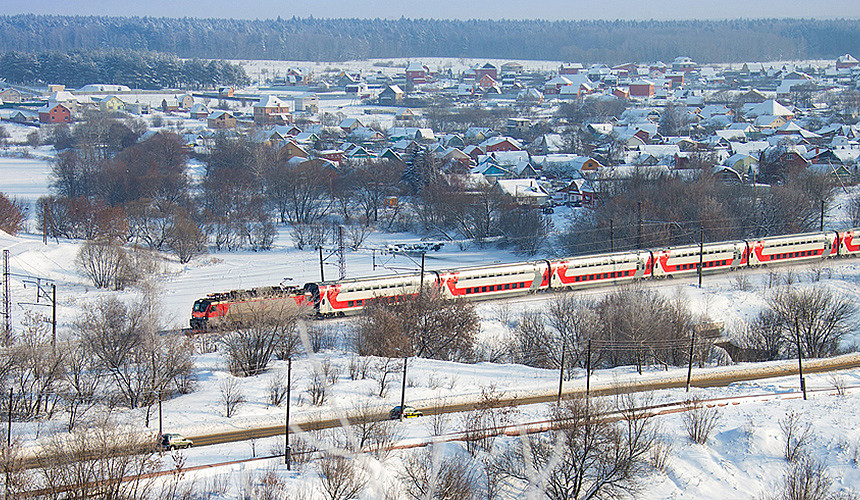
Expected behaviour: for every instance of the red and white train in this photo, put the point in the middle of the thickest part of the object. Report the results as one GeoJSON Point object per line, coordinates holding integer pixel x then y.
{"type": "Point", "coordinates": [350, 296]}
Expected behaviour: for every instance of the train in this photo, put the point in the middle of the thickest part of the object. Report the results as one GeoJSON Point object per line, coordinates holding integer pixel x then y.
{"type": "Point", "coordinates": [351, 296]}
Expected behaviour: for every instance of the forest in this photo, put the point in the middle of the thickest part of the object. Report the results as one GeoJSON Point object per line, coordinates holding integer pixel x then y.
{"type": "Point", "coordinates": [139, 70]}
{"type": "Point", "coordinates": [312, 39]}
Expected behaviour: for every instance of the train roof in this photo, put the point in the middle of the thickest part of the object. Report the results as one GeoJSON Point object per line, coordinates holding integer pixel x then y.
{"type": "Point", "coordinates": [696, 245]}
{"type": "Point", "coordinates": [491, 267]}
{"type": "Point", "coordinates": [364, 279]}
{"type": "Point", "coordinates": [600, 255]}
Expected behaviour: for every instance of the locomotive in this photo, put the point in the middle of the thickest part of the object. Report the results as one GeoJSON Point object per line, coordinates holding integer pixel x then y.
{"type": "Point", "coordinates": [350, 296]}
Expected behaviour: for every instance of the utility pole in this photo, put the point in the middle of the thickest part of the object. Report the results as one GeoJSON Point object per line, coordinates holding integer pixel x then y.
{"type": "Point", "coordinates": [341, 253]}
{"type": "Point", "coordinates": [403, 391]}
{"type": "Point", "coordinates": [561, 369]}
{"type": "Point", "coordinates": [690, 362]}
{"type": "Point", "coordinates": [160, 420]}
{"type": "Point", "coordinates": [612, 235]}
{"type": "Point", "coordinates": [9, 428]}
{"type": "Point", "coordinates": [287, 457]}
{"type": "Point", "coordinates": [588, 370]}
{"type": "Point", "coordinates": [421, 288]}
{"type": "Point", "coordinates": [54, 318]}
{"type": "Point", "coordinates": [322, 271]}
{"type": "Point", "coordinates": [821, 225]}
{"type": "Point", "coordinates": [638, 225]}
{"type": "Point", "coordinates": [799, 358]}
{"type": "Point", "coordinates": [7, 298]}
{"type": "Point", "coordinates": [701, 253]}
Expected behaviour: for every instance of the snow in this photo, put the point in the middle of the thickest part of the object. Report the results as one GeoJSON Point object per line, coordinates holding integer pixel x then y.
{"type": "Point", "coordinates": [742, 459]}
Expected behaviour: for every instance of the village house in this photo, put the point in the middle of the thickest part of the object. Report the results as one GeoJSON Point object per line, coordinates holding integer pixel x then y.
{"type": "Point", "coordinates": [54, 112]}
{"type": "Point", "coordinates": [270, 109]}
{"type": "Point", "coordinates": [846, 61]}
{"type": "Point", "coordinates": [199, 111]}
{"type": "Point", "coordinates": [392, 95]}
{"type": "Point", "coordinates": [488, 69]}
{"type": "Point", "coordinates": [417, 73]}
{"type": "Point", "coordinates": [221, 119]}
{"type": "Point", "coordinates": [111, 104]}
{"type": "Point", "coordinates": [641, 88]}
{"type": "Point", "coordinates": [11, 95]}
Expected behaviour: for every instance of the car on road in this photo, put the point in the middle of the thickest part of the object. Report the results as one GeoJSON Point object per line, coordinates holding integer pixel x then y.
{"type": "Point", "coordinates": [175, 441]}
{"type": "Point", "coordinates": [409, 412]}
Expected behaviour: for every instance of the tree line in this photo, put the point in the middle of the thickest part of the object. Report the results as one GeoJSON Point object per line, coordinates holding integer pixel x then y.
{"type": "Point", "coordinates": [134, 68]}
{"type": "Point", "coordinates": [312, 39]}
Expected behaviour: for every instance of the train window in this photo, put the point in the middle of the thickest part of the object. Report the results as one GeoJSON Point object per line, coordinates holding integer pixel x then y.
{"type": "Point", "coordinates": [483, 289]}
{"type": "Point", "coordinates": [576, 279]}
{"type": "Point", "coordinates": [507, 286]}
{"type": "Point", "coordinates": [351, 303]}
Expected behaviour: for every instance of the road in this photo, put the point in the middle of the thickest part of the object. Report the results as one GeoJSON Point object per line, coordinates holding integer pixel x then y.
{"type": "Point", "coordinates": [701, 378]}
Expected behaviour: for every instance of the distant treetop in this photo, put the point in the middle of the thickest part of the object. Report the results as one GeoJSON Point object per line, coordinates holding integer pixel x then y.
{"type": "Point", "coordinates": [314, 39]}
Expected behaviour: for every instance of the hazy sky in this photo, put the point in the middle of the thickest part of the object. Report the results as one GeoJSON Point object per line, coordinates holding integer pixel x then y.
{"type": "Point", "coordinates": [449, 9]}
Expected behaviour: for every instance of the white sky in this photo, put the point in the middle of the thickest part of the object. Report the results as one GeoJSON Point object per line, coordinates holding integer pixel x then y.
{"type": "Point", "coordinates": [448, 9]}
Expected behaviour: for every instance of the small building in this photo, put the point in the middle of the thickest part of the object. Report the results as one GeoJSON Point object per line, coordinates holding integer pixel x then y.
{"type": "Point", "coordinates": [186, 101]}
{"type": "Point", "coordinates": [270, 109]}
{"type": "Point", "coordinates": [307, 103]}
{"type": "Point", "coordinates": [488, 69]}
{"type": "Point", "coordinates": [103, 87]}
{"type": "Point", "coordinates": [501, 144]}
{"type": "Point", "coordinates": [391, 95]}
{"type": "Point", "coordinates": [642, 88]}
{"type": "Point", "coordinates": [11, 95]}
{"type": "Point", "coordinates": [199, 111]}
{"type": "Point", "coordinates": [55, 113]}
{"type": "Point", "coordinates": [417, 73]}
{"type": "Point", "coordinates": [111, 104]}
{"type": "Point", "coordinates": [846, 61]}
{"type": "Point", "coordinates": [570, 68]}
{"type": "Point", "coordinates": [138, 108]}
{"type": "Point", "coordinates": [221, 119]}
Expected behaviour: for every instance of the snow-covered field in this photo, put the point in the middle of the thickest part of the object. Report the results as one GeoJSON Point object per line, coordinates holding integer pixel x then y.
{"type": "Point", "coordinates": [742, 460]}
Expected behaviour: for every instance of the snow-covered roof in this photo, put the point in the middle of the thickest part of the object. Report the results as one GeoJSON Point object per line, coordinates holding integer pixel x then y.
{"type": "Point", "coordinates": [269, 101]}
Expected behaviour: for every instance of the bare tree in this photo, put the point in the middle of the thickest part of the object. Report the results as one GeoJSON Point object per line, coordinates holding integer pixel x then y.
{"type": "Point", "coordinates": [103, 261]}
{"type": "Point", "coordinates": [815, 318]}
{"type": "Point", "coordinates": [370, 432]}
{"type": "Point", "coordinates": [341, 477]}
{"type": "Point", "coordinates": [83, 385]}
{"type": "Point", "coordinates": [231, 396]}
{"type": "Point", "coordinates": [317, 387]}
{"type": "Point", "coordinates": [699, 420]}
{"type": "Point", "coordinates": [277, 390]}
{"type": "Point", "coordinates": [426, 474]}
{"type": "Point", "coordinates": [35, 368]}
{"type": "Point", "coordinates": [142, 365]}
{"type": "Point", "coordinates": [99, 462]}
{"type": "Point", "coordinates": [13, 215]}
{"type": "Point", "coordinates": [258, 331]}
{"type": "Point", "coordinates": [482, 423]}
{"type": "Point", "coordinates": [854, 210]}
{"type": "Point", "coordinates": [807, 480]}
{"type": "Point", "coordinates": [423, 325]}
{"type": "Point", "coordinates": [589, 457]}
{"type": "Point", "coordinates": [185, 237]}
{"type": "Point", "coordinates": [797, 434]}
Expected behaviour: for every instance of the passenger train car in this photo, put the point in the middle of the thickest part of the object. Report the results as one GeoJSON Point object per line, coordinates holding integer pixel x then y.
{"type": "Point", "coordinates": [507, 280]}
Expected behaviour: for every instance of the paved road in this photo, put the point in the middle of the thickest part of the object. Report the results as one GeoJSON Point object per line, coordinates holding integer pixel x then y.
{"type": "Point", "coordinates": [701, 378]}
